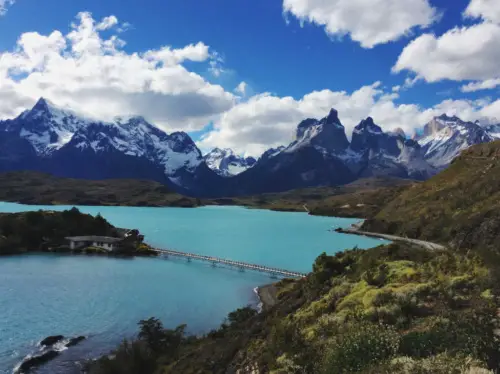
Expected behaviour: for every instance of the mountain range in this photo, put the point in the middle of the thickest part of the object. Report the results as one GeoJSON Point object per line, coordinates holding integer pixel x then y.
{"type": "Point", "coordinates": [49, 139]}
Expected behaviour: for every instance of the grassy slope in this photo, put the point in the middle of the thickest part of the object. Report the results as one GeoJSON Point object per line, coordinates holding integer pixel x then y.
{"type": "Point", "coordinates": [390, 309]}
{"type": "Point", "coordinates": [38, 188]}
{"type": "Point", "coordinates": [460, 206]}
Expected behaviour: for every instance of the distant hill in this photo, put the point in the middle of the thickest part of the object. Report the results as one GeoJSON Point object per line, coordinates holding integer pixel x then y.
{"type": "Point", "coordinates": [460, 206]}
{"type": "Point", "coordinates": [44, 189]}
{"type": "Point", "coordinates": [360, 199]}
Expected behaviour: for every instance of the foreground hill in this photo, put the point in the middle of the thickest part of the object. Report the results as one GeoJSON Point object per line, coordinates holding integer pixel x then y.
{"type": "Point", "coordinates": [390, 309]}
{"type": "Point", "coordinates": [44, 189]}
{"type": "Point", "coordinates": [460, 206]}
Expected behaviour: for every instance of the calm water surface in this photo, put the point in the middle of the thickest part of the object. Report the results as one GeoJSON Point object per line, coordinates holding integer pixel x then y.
{"type": "Point", "coordinates": [104, 298]}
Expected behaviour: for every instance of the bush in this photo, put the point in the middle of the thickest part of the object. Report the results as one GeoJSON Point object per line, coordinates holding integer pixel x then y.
{"type": "Point", "coordinates": [360, 346]}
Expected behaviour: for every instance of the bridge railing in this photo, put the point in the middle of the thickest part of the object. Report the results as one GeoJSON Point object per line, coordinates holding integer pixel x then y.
{"type": "Point", "coordinates": [240, 264]}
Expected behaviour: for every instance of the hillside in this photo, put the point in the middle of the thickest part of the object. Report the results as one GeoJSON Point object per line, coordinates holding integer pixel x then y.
{"type": "Point", "coordinates": [361, 199]}
{"type": "Point", "coordinates": [460, 206]}
{"type": "Point", "coordinates": [390, 309]}
{"type": "Point", "coordinates": [44, 189]}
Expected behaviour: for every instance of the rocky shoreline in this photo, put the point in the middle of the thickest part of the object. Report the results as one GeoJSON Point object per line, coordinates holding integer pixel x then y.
{"type": "Point", "coordinates": [267, 296]}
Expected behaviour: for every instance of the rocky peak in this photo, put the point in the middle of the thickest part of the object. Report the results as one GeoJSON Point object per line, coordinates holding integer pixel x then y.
{"type": "Point", "coordinates": [327, 135]}
{"type": "Point", "coordinates": [369, 137]}
{"type": "Point", "coordinates": [444, 137]}
{"type": "Point", "coordinates": [226, 163]}
{"type": "Point", "coordinates": [304, 126]}
{"type": "Point", "coordinates": [332, 118]}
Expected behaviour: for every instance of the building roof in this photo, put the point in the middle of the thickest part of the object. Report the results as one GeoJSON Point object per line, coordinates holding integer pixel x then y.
{"type": "Point", "coordinates": [92, 238]}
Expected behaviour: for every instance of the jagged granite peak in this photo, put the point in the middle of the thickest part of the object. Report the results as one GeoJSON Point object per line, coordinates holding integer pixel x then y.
{"type": "Point", "coordinates": [226, 163]}
{"type": "Point", "coordinates": [445, 137]}
{"type": "Point", "coordinates": [327, 135]}
{"type": "Point", "coordinates": [332, 118]}
{"type": "Point", "coordinates": [368, 138]}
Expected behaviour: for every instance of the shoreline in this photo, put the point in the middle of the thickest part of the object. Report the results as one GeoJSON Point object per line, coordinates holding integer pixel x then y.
{"type": "Point", "coordinates": [355, 230]}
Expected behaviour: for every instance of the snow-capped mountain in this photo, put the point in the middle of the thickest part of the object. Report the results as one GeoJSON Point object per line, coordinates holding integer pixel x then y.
{"type": "Point", "coordinates": [392, 154]}
{"type": "Point", "coordinates": [444, 138]}
{"type": "Point", "coordinates": [321, 154]}
{"type": "Point", "coordinates": [326, 135]}
{"type": "Point", "coordinates": [45, 126]}
{"type": "Point", "coordinates": [226, 163]}
{"type": "Point", "coordinates": [493, 130]}
{"type": "Point", "coordinates": [49, 139]}
{"type": "Point", "coordinates": [128, 147]}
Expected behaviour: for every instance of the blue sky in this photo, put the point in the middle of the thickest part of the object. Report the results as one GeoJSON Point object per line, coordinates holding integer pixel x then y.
{"type": "Point", "coordinates": [275, 54]}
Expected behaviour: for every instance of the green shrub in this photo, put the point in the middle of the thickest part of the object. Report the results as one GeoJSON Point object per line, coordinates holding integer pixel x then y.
{"type": "Point", "coordinates": [360, 346]}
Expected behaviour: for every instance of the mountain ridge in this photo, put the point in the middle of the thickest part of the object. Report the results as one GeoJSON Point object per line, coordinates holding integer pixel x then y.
{"type": "Point", "coordinates": [49, 139]}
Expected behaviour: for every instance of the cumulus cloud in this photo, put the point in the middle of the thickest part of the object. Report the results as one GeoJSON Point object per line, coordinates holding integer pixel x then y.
{"type": "Point", "coordinates": [486, 9]}
{"type": "Point", "coordinates": [369, 22]}
{"type": "Point", "coordinates": [266, 121]}
{"type": "Point", "coordinates": [96, 77]}
{"type": "Point", "coordinates": [484, 85]}
{"type": "Point", "coordinates": [4, 4]}
{"type": "Point", "coordinates": [461, 54]}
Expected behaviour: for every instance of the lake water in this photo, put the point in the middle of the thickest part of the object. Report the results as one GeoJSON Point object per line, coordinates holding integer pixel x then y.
{"type": "Point", "coordinates": [104, 298]}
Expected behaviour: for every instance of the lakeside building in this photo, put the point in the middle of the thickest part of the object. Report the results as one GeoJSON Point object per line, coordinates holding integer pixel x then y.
{"type": "Point", "coordinates": [105, 242]}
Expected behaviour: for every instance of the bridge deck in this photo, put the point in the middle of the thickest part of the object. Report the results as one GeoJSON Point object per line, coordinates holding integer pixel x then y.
{"type": "Point", "coordinates": [238, 264]}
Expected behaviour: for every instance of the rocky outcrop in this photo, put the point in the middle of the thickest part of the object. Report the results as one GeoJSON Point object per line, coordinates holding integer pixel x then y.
{"type": "Point", "coordinates": [50, 349]}
{"type": "Point", "coordinates": [51, 340]}
{"type": "Point", "coordinates": [33, 362]}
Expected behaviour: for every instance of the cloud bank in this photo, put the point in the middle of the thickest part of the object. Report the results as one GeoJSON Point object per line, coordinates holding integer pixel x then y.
{"type": "Point", "coordinates": [368, 22]}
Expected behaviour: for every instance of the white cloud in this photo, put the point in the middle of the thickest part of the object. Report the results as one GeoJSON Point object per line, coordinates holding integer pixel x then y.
{"type": "Point", "coordinates": [482, 85]}
{"type": "Point", "coordinates": [369, 22]}
{"type": "Point", "coordinates": [266, 121]}
{"type": "Point", "coordinates": [241, 88]}
{"type": "Point", "coordinates": [107, 23]}
{"type": "Point", "coordinates": [96, 77]}
{"type": "Point", "coordinates": [486, 9]}
{"type": "Point", "coordinates": [467, 53]}
{"type": "Point", "coordinates": [4, 4]}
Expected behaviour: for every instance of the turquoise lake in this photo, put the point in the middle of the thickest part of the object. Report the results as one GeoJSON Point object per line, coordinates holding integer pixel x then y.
{"type": "Point", "coordinates": [104, 298]}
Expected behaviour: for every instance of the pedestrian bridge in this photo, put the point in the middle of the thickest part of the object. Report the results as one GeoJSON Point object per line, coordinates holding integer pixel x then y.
{"type": "Point", "coordinates": [242, 266]}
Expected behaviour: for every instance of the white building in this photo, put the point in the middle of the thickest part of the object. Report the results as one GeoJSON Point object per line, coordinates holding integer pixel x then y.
{"type": "Point", "coordinates": [105, 242]}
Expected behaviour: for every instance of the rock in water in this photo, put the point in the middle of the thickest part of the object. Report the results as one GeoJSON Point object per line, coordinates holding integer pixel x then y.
{"type": "Point", "coordinates": [74, 341]}
{"type": "Point", "coordinates": [36, 361]}
{"type": "Point", "coordinates": [51, 340]}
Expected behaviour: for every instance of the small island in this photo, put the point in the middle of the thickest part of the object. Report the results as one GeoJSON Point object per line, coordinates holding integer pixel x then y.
{"type": "Point", "coordinates": [69, 231]}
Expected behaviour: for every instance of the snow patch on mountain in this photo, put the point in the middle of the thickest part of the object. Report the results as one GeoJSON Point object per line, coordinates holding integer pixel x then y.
{"type": "Point", "coordinates": [226, 163]}
{"type": "Point", "coordinates": [45, 126]}
{"type": "Point", "coordinates": [444, 138]}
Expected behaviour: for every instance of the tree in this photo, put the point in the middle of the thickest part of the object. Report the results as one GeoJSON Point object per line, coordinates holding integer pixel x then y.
{"type": "Point", "coordinates": [160, 340]}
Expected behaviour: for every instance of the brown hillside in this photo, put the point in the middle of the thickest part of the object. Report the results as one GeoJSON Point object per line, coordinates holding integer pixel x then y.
{"type": "Point", "coordinates": [460, 206]}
